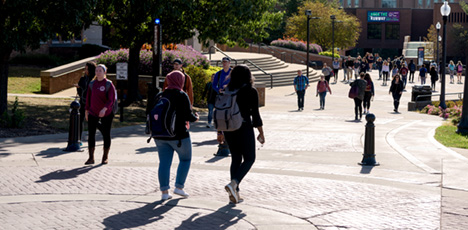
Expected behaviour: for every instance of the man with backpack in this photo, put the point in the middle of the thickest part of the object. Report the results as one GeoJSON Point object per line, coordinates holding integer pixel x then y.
{"type": "Point", "coordinates": [221, 77]}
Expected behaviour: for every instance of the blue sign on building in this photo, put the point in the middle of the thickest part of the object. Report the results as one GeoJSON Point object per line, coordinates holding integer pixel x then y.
{"type": "Point", "coordinates": [383, 16]}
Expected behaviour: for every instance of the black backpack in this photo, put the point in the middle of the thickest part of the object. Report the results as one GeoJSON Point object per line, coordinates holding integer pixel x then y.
{"type": "Point", "coordinates": [162, 118]}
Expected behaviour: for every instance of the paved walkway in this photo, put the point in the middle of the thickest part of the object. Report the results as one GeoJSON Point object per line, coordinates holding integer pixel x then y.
{"type": "Point", "coordinates": [306, 175]}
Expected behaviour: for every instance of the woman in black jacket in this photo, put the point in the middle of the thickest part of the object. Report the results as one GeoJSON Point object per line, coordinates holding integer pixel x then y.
{"type": "Point", "coordinates": [181, 142]}
{"type": "Point", "coordinates": [242, 141]}
{"type": "Point", "coordinates": [81, 90]}
{"type": "Point", "coordinates": [434, 78]}
{"type": "Point", "coordinates": [396, 89]}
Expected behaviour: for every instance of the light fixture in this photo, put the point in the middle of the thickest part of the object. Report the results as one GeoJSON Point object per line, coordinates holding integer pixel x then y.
{"type": "Point", "coordinates": [445, 9]}
{"type": "Point", "coordinates": [438, 25]}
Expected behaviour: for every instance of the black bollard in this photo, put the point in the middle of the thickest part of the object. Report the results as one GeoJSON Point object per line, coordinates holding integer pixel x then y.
{"type": "Point", "coordinates": [369, 142]}
{"type": "Point", "coordinates": [74, 128]}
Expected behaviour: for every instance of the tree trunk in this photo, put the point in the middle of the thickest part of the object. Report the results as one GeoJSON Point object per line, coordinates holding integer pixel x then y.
{"type": "Point", "coordinates": [5, 55]}
{"type": "Point", "coordinates": [133, 64]}
{"type": "Point", "coordinates": [463, 125]}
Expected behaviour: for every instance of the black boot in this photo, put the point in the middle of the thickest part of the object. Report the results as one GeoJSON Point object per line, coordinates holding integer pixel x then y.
{"type": "Point", "coordinates": [105, 156]}
{"type": "Point", "coordinates": [90, 160]}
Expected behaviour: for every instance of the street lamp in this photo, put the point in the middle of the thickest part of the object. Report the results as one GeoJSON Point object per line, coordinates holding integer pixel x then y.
{"type": "Point", "coordinates": [308, 13]}
{"type": "Point", "coordinates": [445, 11]}
{"type": "Point", "coordinates": [438, 29]}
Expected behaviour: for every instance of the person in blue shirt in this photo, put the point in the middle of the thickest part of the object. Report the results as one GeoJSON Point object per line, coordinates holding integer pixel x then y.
{"type": "Point", "coordinates": [221, 79]}
{"type": "Point", "coordinates": [301, 83]}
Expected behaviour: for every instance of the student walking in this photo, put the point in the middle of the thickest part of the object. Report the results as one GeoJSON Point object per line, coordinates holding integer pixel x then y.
{"type": "Point", "coordinates": [350, 67]}
{"type": "Point", "coordinates": [336, 67]}
{"type": "Point", "coordinates": [242, 141]}
{"type": "Point", "coordinates": [385, 70]}
{"type": "Point", "coordinates": [181, 142]}
{"type": "Point", "coordinates": [423, 74]}
{"type": "Point", "coordinates": [404, 73]}
{"type": "Point", "coordinates": [361, 86]}
{"type": "Point", "coordinates": [82, 90]}
{"type": "Point", "coordinates": [210, 94]}
{"type": "Point", "coordinates": [459, 71]}
{"type": "Point", "coordinates": [327, 72]}
{"type": "Point", "coordinates": [452, 71]}
{"type": "Point", "coordinates": [379, 64]}
{"type": "Point", "coordinates": [434, 78]}
{"type": "Point", "coordinates": [396, 89]}
{"type": "Point", "coordinates": [368, 93]}
{"type": "Point", "coordinates": [412, 69]}
{"type": "Point", "coordinates": [100, 99]}
{"type": "Point", "coordinates": [322, 88]}
{"type": "Point", "coordinates": [301, 83]}
{"type": "Point", "coordinates": [188, 85]}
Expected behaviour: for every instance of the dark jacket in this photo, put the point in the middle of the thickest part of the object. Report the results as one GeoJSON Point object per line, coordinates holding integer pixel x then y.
{"type": "Point", "coordinates": [396, 88]}
{"type": "Point", "coordinates": [434, 75]}
{"type": "Point", "coordinates": [209, 93]}
{"type": "Point", "coordinates": [82, 89]}
{"type": "Point", "coordinates": [183, 113]}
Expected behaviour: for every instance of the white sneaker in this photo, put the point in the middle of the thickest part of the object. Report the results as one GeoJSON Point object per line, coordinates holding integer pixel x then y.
{"type": "Point", "coordinates": [166, 196]}
{"type": "Point", "coordinates": [231, 189]}
{"type": "Point", "coordinates": [181, 192]}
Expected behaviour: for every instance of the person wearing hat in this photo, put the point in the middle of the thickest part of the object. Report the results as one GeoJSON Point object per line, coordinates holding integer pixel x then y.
{"type": "Point", "coordinates": [221, 77]}
{"type": "Point", "coordinates": [188, 87]}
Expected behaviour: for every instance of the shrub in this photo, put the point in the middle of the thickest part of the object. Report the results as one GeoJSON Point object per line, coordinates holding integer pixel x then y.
{"type": "Point", "coordinates": [199, 79]}
{"type": "Point", "coordinates": [329, 53]}
{"type": "Point", "coordinates": [187, 54]}
{"type": "Point", "coordinates": [15, 120]}
{"type": "Point", "coordinates": [296, 44]}
{"type": "Point", "coordinates": [453, 111]}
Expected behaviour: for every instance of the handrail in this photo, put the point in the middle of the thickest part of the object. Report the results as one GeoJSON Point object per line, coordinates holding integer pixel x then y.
{"type": "Point", "coordinates": [460, 95]}
{"type": "Point", "coordinates": [264, 72]}
{"type": "Point", "coordinates": [293, 55]}
{"type": "Point", "coordinates": [216, 48]}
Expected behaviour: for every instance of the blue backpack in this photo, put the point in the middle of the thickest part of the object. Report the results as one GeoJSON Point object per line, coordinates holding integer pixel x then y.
{"type": "Point", "coordinates": [162, 118]}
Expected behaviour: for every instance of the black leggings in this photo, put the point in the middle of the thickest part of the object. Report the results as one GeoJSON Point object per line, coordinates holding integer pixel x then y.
{"type": "Point", "coordinates": [357, 106]}
{"type": "Point", "coordinates": [367, 97]}
{"type": "Point", "coordinates": [396, 100]}
{"type": "Point", "coordinates": [385, 76]}
{"type": "Point", "coordinates": [82, 118]}
{"type": "Point", "coordinates": [104, 126]}
{"type": "Point", "coordinates": [242, 146]}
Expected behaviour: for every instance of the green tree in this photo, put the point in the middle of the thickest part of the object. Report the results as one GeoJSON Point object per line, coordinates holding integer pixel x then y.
{"type": "Point", "coordinates": [25, 23]}
{"type": "Point", "coordinates": [346, 32]}
{"type": "Point", "coordinates": [223, 21]}
{"type": "Point", "coordinates": [459, 36]}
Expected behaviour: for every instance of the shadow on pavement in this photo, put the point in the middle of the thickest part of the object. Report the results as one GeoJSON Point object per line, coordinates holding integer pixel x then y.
{"type": "Point", "coordinates": [366, 169]}
{"type": "Point", "coordinates": [52, 152]}
{"type": "Point", "coordinates": [215, 158]}
{"type": "Point", "coordinates": [66, 174]}
{"type": "Point", "coordinates": [141, 216]}
{"type": "Point", "coordinates": [146, 150]}
{"type": "Point", "coordinates": [207, 142]}
{"type": "Point", "coordinates": [223, 218]}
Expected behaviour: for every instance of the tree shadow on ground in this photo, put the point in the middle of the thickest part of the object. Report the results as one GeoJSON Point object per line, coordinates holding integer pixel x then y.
{"type": "Point", "coordinates": [140, 216]}
{"type": "Point", "coordinates": [66, 174]}
{"type": "Point", "coordinates": [223, 218]}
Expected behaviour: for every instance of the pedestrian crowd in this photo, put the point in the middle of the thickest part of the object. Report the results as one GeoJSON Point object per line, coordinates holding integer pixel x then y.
{"type": "Point", "coordinates": [397, 71]}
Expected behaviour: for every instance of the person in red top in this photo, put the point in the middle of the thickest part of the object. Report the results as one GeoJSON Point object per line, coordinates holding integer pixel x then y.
{"type": "Point", "coordinates": [322, 87]}
{"type": "Point", "coordinates": [98, 112]}
{"type": "Point", "coordinates": [404, 73]}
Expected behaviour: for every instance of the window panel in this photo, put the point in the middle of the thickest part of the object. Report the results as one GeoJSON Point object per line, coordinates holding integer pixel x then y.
{"type": "Point", "coordinates": [389, 4]}
{"type": "Point", "coordinates": [392, 31]}
{"type": "Point", "coordinates": [374, 31]}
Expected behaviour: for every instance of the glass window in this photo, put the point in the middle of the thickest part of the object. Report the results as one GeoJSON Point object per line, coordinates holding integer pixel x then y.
{"type": "Point", "coordinates": [356, 3]}
{"type": "Point", "coordinates": [428, 4]}
{"type": "Point", "coordinates": [374, 31]}
{"type": "Point", "coordinates": [420, 3]}
{"type": "Point", "coordinates": [392, 31]}
{"type": "Point", "coordinates": [389, 4]}
{"type": "Point", "coordinates": [349, 3]}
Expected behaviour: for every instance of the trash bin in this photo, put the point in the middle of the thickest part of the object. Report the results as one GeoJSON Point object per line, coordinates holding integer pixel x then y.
{"type": "Point", "coordinates": [421, 90]}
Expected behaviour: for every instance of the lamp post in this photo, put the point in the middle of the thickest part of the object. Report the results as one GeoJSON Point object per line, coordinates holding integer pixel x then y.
{"type": "Point", "coordinates": [445, 11]}
{"type": "Point", "coordinates": [308, 13]}
{"type": "Point", "coordinates": [438, 29]}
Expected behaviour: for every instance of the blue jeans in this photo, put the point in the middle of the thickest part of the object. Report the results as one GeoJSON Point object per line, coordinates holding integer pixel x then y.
{"type": "Point", "coordinates": [166, 151]}
{"type": "Point", "coordinates": [210, 112]}
{"type": "Point", "coordinates": [322, 99]}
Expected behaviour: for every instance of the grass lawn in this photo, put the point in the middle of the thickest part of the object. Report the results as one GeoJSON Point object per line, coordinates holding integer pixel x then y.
{"type": "Point", "coordinates": [447, 136]}
{"type": "Point", "coordinates": [24, 79]}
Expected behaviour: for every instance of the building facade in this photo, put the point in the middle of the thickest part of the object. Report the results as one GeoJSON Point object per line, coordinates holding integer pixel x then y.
{"type": "Point", "coordinates": [385, 23]}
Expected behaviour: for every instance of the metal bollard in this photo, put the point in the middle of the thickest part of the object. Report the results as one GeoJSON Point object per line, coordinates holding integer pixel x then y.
{"type": "Point", "coordinates": [74, 128]}
{"type": "Point", "coordinates": [369, 142]}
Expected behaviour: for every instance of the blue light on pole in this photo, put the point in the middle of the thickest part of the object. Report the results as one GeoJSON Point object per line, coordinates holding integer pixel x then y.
{"type": "Point", "coordinates": [157, 21]}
